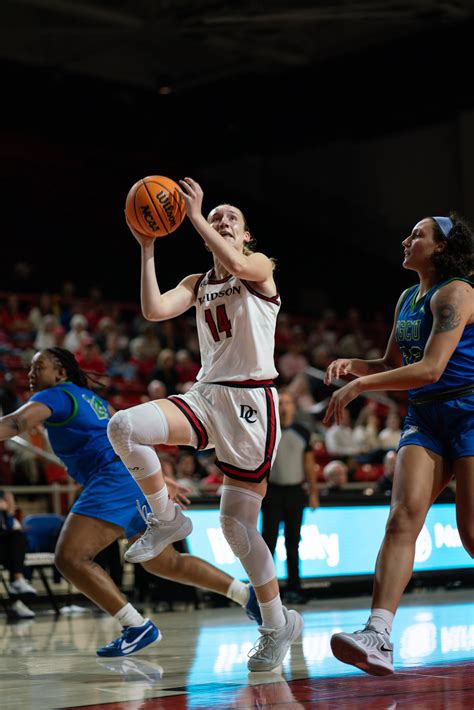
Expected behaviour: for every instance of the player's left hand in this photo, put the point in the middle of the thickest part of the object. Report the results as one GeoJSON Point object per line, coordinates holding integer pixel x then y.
{"type": "Point", "coordinates": [313, 500]}
{"type": "Point", "coordinates": [339, 400]}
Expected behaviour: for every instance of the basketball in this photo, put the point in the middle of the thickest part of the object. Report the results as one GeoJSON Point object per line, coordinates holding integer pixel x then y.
{"type": "Point", "coordinates": [154, 206]}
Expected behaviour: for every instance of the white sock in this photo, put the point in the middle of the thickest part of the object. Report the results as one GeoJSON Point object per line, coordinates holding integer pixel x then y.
{"type": "Point", "coordinates": [238, 592]}
{"type": "Point", "coordinates": [272, 613]}
{"type": "Point", "coordinates": [381, 620]}
{"type": "Point", "coordinates": [161, 505]}
{"type": "Point", "coordinates": [129, 616]}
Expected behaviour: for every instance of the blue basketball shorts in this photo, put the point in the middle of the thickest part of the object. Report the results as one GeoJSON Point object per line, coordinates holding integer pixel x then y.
{"type": "Point", "coordinates": [112, 496]}
{"type": "Point", "coordinates": [447, 428]}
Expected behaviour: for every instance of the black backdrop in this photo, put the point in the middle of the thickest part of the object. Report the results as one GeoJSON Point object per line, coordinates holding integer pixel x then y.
{"type": "Point", "coordinates": [71, 148]}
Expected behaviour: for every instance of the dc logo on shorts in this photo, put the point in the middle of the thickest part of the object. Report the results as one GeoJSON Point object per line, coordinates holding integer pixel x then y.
{"type": "Point", "coordinates": [247, 412]}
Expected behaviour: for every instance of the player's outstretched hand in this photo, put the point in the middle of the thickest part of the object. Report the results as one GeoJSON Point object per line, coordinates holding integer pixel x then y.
{"type": "Point", "coordinates": [142, 239]}
{"type": "Point", "coordinates": [339, 400]}
{"type": "Point", "coordinates": [338, 368]}
{"type": "Point", "coordinates": [177, 492]}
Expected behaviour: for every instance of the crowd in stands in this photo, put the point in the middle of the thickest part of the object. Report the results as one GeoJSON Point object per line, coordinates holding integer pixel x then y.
{"type": "Point", "coordinates": [131, 360]}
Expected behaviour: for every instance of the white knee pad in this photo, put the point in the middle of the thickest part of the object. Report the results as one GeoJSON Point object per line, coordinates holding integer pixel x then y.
{"type": "Point", "coordinates": [238, 516]}
{"type": "Point", "coordinates": [132, 433]}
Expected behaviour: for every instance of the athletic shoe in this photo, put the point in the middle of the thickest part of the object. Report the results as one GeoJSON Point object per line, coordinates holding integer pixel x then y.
{"type": "Point", "coordinates": [367, 649]}
{"type": "Point", "coordinates": [133, 669]}
{"type": "Point", "coordinates": [21, 611]}
{"type": "Point", "coordinates": [21, 586]}
{"type": "Point", "coordinates": [158, 535]}
{"type": "Point", "coordinates": [252, 608]}
{"type": "Point", "coordinates": [273, 644]}
{"type": "Point", "coordinates": [133, 639]}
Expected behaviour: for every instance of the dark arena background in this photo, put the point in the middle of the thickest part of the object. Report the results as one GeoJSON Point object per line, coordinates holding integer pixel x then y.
{"type": "Point", "coordinates": [335, 126]}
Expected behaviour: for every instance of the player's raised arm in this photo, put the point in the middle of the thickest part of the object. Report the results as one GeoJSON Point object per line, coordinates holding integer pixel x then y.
{"type": "Point", "coordinates": [157, 306]}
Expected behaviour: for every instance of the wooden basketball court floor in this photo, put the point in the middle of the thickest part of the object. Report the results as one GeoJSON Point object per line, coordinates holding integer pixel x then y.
{"type": "Point", "coordinates": [50, 663]}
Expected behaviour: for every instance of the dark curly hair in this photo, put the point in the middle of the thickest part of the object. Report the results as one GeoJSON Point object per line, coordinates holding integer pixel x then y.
{"type": "Point", "coordinates": [457, 259]}
{"type": "Point", "coordinates": [65, 359]}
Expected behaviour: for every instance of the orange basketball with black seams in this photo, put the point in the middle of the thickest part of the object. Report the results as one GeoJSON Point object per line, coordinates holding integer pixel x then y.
{"type": "Point", "coordinates": [154, 206]}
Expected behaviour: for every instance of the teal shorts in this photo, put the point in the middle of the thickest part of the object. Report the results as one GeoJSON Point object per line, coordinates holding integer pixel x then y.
{"type": "Point", "coordinates": [112, 496]}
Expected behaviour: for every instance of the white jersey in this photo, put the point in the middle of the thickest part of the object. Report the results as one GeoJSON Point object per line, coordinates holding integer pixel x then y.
{"type": "Point", "coordinates": [236, 330]}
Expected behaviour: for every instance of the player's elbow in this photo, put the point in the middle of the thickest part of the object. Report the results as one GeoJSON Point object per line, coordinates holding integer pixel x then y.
{"type": "Point", "coordinates": [151, 314]}
{"type": "Point", "coordinates": [432, 374]}
{"type": "Point", "coordinates": [237, 268]}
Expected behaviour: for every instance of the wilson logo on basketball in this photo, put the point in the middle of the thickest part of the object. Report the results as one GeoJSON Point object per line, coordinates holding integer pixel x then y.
{"type": "Point", "coordinates": [164, 200]}
{"type": "Point", "coordinates": [148, 217]}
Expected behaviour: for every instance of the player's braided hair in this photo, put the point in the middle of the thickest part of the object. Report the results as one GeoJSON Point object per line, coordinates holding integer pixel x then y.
{"type": "Point", "coordinates": [66, 359]}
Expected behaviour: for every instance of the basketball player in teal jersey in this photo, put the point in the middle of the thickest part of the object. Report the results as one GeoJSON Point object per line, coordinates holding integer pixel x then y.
{"type": "Point", "coordinates": [76, 420]}
{"type": "Point", "coordinates": [430, 353]}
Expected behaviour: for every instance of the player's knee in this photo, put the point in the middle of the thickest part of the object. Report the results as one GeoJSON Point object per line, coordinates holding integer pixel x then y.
{"type": "Point", "coordinates": [61, 561]}
{"type": "Point", "coordinates": [405, 520]}
{"type": "Point", "coordinates": [67, 563]}
{"type": "Point", "coordinates": [236, 535]}
{"type": "Point", "coordinates": [119, 431]}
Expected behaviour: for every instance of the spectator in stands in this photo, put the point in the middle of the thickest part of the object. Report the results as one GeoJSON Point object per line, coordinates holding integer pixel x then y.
{"type": "Point", "coordinates": [77, 334]}
{"type": "Point", "coordinates": [105, 511]}
{"type": "Point", "coordinates": [44, 307]}
{"type": "Point", "coordinates": [336, 477]}
{"type": "Point", "coordinates": [15, 321]}
{"type": "Point", "coordinates": [13, 548]}
{"type": "Point", "coordinates": [9, 397]}
{"type": "Point", "coordinates": [49, 333]}
{"type": "Point", "coordinates": [89, 358]}
{"type": "Point", "coordinates": [165, 370]}
{"type": "Point", "coordinates": [189, 472]}
{"type": "Point", "coordinates": [294, 360]}
{"type": "Point", "coordinates": [156, 390]}
{"type": "Point", "coordinates": [389, 436]}
{"type": "Point", "coordinates": [104, 331]}
{"type": "Point", "coordinates": [212, 483]}
{"type": "Point", "coordinates": [168, 464]}
{"type": "Point", "coordinates": [117, 360]}
{"type": "Point", "coordinates": [366, 430]}
{"type": "Point", "coordinates": [94, 308]}
{"type": "Point", "coordinates": [385, 482]}
{"type": "Point", "coordinates": [339, 438]}
{"type": "Point", "coordinates": [186, 368]}
{"type": "Point", "coordinates": [146, 343]}
{"type": "Point", "coordinates": [27, 469]}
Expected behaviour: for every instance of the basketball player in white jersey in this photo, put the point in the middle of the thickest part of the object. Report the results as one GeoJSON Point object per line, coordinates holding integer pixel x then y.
{"type": "Point", "coordinates": [232, 407]}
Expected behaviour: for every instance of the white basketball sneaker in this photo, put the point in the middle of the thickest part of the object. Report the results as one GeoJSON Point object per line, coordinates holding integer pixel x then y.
{"type": "Point", "coordinates": [158, 535]}
{"type": "Point", "coordinates": [273, 644]}
{"type": "Point", "coordinates": [367, 649]}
